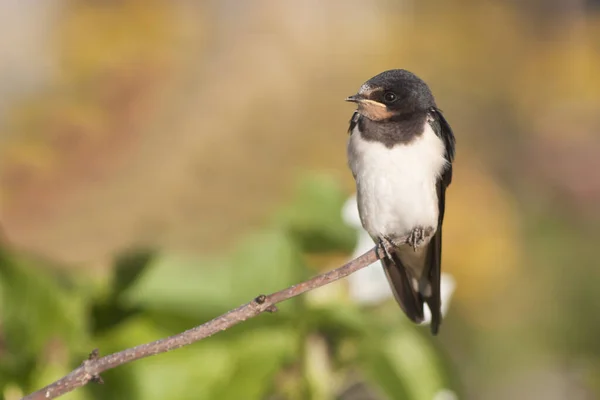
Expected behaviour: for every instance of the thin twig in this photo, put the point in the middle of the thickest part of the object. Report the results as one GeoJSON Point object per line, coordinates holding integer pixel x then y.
{"type": "Point", "coordinates": [91, 368]}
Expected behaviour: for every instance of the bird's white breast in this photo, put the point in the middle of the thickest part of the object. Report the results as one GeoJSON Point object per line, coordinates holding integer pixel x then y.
{"type": "Point", "coordinates": [396, 186]}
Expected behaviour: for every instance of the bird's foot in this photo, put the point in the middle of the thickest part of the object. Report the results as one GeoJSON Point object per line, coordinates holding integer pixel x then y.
{"type": "Point", "coordinates": [386, 244]}
{"type": "Point", "coordinates": [417, 237]}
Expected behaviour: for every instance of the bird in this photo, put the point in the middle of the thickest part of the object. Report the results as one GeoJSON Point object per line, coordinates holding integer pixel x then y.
{"type": "Point", "coordinates": [400, 151]}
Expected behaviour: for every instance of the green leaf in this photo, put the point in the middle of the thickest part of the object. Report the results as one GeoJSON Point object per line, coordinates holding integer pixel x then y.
{"type": "Point", "coordinates": [258, 356]}
{"type": "Point", "coordinates": [315, 216]}
{"type": "Point", "coordinates": [207, 287]}
{"type": "Point", "coordinates": [379, 369]}
{"type": "Point", "coordinates": [264, 263]}
{"type": "Point", "coordinates": [184, 285]}
{"type": "Point", "coordinates": [222, 367]}
{"type": "Point", "coordinates": [187, 373]}
{"type": "Point", "coordinates": [43, 321]}
{"type": "Point", "coordinates": [110, 310]}
{"type": "Point", "coordinates": [337, 320]}
{"type": "Point", "coordinates": [106, 315]}
{"type": "Point", "coordinates": [40, 313]}
{"type": "Point", "coordinates": [403, 363]}
{"type": "Point", "coordinates": [128, 268]}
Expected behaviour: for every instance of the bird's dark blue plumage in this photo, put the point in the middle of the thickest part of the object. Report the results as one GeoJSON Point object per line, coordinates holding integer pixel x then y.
{"type": "Point", "coordinates": [400, 151]}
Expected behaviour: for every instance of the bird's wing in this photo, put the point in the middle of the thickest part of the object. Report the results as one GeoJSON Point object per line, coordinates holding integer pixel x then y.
{"type": "Point", "coordinates": [409, 300]}
{"type": "Point", "coordinates": [434, 252]}
{"type": "Point", "coordinates": [442, 129]}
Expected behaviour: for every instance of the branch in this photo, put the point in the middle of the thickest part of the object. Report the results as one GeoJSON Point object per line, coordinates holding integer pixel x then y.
{"type": "Point", "coordinates": [91, 368]}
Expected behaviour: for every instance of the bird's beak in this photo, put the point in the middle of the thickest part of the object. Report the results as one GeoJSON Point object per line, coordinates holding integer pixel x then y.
{"type": "Point", "coordinates": [355, 98]}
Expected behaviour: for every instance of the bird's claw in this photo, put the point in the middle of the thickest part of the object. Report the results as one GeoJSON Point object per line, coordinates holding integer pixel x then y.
{"type": "Point", "coordinates": [416, 238]}
{"type": "Point", "coordinates": [387, 246]}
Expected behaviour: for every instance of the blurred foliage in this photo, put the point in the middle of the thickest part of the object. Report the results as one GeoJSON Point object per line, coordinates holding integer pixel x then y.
{"type": "Point", "coordinates": [306, 350]}
{"type": "Point", "coordinates": [179, 126]}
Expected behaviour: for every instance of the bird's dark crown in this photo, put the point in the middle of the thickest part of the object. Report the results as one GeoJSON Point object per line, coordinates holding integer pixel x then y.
{"type": "Point", "coordinates": [392, 94]}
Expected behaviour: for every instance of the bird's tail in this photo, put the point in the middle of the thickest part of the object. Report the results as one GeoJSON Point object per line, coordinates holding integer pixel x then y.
{"type": "Point", "coordinates": [432, 274]}
{"type": "Point", "coordinates": [410, 301]}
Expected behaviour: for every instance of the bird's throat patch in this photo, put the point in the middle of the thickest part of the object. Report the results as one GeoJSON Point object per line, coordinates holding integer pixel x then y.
{"type": "Point", "coordinates": [374, 110]}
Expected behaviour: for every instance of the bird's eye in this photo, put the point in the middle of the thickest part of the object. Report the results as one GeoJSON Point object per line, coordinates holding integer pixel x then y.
{"type": "Point", "coordinates": [390, 97]}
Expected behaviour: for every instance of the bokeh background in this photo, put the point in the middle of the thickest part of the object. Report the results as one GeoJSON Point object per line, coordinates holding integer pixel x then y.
{"type": "Point", "coordinates": [163, 161]}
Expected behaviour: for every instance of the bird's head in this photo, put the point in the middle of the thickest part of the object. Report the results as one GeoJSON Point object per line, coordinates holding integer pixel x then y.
{"type": "Point", "coordinates": [391, 94]}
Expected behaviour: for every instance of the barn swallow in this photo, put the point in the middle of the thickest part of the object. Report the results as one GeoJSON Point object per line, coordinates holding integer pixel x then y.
{"type": "Point", "coordinates": [400, 151]}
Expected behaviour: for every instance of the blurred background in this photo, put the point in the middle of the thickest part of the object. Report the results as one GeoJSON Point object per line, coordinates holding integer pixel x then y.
{"type": "Point", "coordinates": [164, 161]}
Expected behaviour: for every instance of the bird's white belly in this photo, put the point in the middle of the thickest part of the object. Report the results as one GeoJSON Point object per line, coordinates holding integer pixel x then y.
{"type": "Point", "coordinates": [396, 188]}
